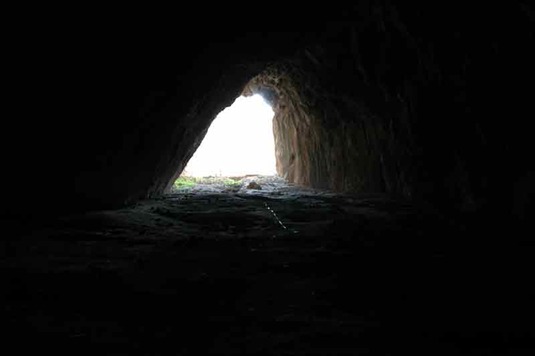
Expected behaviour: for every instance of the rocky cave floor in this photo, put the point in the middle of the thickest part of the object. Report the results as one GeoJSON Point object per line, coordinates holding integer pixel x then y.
{"type": "Point", "coordinates": [278, 271]}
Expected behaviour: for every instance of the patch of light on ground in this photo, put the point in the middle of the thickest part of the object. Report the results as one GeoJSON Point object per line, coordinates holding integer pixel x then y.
{"type": "Point", "coordinates": [239, 142]}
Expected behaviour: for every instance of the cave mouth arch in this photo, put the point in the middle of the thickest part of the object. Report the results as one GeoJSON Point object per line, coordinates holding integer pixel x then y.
{"type": "Point", "coordinates": [239, 142]}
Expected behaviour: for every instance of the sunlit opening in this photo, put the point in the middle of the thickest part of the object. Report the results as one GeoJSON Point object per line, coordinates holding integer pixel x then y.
{"type": "Point", "coordinates": [239, 142]}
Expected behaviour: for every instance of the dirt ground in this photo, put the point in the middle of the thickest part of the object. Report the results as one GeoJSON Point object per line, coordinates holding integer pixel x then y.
{"type": "Point", "coordinates": [280, 270]}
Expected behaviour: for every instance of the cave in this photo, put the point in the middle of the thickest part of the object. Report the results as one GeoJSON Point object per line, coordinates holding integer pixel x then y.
{"type": "Point", "coordinates": [401, 221]}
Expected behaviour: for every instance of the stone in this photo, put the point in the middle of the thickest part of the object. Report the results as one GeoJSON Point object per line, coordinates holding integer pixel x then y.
{"type": "Point", "coordinates": [254, 185]}
{"type": "Point", "coordinates": [391, 99]}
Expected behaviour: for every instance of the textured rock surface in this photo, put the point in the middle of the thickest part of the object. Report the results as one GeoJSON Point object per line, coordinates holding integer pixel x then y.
{"type": "Point", "coordinates": [381, 96]}
{"type": "Point", "coordinates": [430, 104]}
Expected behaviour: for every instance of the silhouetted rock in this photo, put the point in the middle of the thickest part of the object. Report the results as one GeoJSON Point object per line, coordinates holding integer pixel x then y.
{"type": "Point", "coordinates": [254, 185]}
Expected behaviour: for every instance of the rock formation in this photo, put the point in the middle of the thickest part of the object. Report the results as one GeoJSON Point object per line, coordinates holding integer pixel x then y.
{"type": "Point", "coordinates": [429, 103]}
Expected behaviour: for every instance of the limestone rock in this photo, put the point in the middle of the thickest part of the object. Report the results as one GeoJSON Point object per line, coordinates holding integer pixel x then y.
{"type": "Point", "coordinates": [254, 185]}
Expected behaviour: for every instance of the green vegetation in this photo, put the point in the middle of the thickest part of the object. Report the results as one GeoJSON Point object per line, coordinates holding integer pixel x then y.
{"type": "Point", "coordinates": [230, 182]}
{"type": "Point", "coordinates": [185, 182]}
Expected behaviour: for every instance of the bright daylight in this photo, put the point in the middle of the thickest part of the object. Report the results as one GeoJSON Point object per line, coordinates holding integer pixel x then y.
{"type": "Point", "coordinates": [239, 142]}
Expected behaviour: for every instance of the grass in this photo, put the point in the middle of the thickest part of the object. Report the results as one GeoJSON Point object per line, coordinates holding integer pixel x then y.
{"type": "Point", "coordinates": [185, 182]}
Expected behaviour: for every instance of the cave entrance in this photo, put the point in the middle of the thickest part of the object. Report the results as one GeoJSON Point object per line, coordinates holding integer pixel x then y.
{"type": "Point", "coordinates": [238, 143]}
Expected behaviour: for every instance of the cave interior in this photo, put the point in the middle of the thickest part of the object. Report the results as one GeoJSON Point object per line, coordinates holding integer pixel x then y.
{"type": "Point", "coordinates": [403, 131]}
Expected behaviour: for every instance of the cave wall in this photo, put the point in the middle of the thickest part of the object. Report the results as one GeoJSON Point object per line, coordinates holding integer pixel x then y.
{"type": "Point", "coordinates": [110, 116]}
{"type": "Point", "coordinates": [427, 102]}
{"type": "Point", "coordinates": [417, 108]}
{"type": "Point", "coordinates": [328, 137]}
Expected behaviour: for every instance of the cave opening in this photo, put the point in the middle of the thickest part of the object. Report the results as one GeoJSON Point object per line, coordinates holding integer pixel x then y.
{"type": "Point", "coordinates": [398, 221]}
{"type": "Point", "coordinates": [238, 143]}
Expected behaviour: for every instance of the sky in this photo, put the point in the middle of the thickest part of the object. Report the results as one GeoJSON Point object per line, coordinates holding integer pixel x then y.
{"type": "Point", "coordinates": [239, 142]}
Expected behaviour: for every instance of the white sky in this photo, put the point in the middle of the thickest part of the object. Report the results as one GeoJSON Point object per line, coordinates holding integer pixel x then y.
{"type": "Point", "coordinates": [239, 142]}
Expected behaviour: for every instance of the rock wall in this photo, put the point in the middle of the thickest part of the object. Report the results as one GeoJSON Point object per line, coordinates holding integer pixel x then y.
{"type": "Point", "coordinates": [431, 103]}
{"type": "Point", "coordinates": [410, 107]}
{"type": "Point", "coordinates": [327, 137]}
